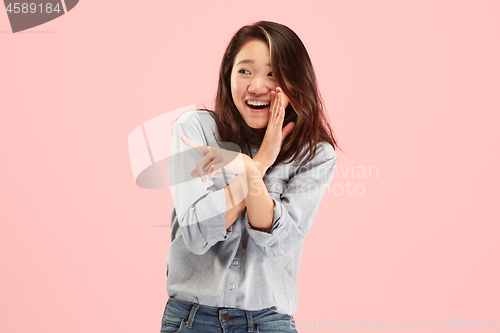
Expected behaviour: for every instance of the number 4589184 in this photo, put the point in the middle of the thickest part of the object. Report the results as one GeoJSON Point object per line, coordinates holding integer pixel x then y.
{"type": "Point", "coordinates": [32, 8]}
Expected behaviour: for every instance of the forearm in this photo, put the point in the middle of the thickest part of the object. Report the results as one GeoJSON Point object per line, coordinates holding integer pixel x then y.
{"type": "Point", "coordinates": [235, 196]}
{"type": "Point", "coordinates": [260, 205]}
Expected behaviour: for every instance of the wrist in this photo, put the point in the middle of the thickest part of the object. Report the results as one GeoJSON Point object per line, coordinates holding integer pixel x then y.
{"type": "Point", "coordinates": [256, 168]}
{"type": "Point", "coordinates": [262, 160]}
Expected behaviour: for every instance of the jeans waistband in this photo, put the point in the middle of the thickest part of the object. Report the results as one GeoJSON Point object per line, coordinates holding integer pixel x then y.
{"type": "Point", "coordinates": [221, 316]}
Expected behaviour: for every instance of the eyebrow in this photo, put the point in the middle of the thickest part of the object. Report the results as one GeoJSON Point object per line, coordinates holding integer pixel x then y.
{"type": "Point", "coordinates": [249, 61]}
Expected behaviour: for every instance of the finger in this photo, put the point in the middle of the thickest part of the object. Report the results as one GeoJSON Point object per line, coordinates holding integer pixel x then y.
{"type": "Point", "coordinates": [194, 173]}
{"type": "Point", "coordinates": [280, 102]}
{"type": "Point", "coordinates": [200, 166]}
{"type": "Point", "coordinates": [281, 109]}
{"type": "Point", "coordinates": [280, 117]}
{"type": "Point", "coordinates": [213, 174]}
{"type": "Point", "coordinates": [202, 149]}
{"type": "Point", "coordinates": [214, 171]}
{"type": "Point", "coordinates": [211, 171]}
{"type": "Point", "coordinates": [287, 130]}
{"type": "Point", "coordinates": [273, 104]}
{"type": "Point", "coordinates": [278, 107]}
{"type": "Point", "coordinates": [209, 168]}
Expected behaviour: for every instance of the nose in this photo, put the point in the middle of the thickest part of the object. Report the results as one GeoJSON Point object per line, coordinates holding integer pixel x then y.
{"type": "Point", "coordinates": [258, 86]}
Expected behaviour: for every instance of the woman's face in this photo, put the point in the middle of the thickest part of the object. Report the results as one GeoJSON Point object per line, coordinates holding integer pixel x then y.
{"type": "Point", "coordinates": [252, 82]}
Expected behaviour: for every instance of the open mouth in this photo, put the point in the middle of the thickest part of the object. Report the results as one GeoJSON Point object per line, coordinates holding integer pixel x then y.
{"type": "Point", "coordinates": [257, 105]}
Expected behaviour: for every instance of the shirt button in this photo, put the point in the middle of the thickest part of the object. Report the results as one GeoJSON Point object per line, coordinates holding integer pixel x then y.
{"type": "Point", "coordinates": [231, 286]}
{"type": "Point", "coordinates": [278, 187]}
{"type": "Point", "coordinates": [228, 181]}
{"type": "Point", "coordinates": [235, 262]}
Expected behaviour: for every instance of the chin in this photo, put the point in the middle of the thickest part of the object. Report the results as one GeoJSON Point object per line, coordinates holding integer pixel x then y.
{"type": "Point", "coordinates": [257, 122]}
{"type": "Point", "coordinates": [257, 125]}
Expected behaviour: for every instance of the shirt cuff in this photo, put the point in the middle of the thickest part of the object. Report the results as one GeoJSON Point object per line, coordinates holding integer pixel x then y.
{"type": "Point", "coordinates": [263, 238]}
{"type": "Point", "coordinates": [213, 228]}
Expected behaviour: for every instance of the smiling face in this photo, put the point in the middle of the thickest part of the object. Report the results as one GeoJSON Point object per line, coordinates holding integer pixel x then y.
{"type": "Point", "coordinates": [252, 82]}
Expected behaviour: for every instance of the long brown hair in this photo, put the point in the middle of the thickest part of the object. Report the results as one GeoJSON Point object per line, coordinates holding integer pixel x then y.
{"type": "Point", "coordinates": [293, 69]}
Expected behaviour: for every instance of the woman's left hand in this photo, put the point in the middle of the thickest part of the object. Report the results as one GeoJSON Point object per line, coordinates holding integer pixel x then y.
{"type": "Point", "coordinates": [275, 132]}
{"type": "Point", "coordinates": [216, 159]}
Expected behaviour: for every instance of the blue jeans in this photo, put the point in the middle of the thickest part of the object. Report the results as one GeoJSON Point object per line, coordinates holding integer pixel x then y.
{"type": "Point", "coordinates": [187, 317]}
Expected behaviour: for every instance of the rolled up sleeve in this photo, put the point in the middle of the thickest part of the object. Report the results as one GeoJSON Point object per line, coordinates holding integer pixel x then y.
{"type": "Point", "coordinates": [295, 211]}
{"type": "Point", "coordinates": [200, 211]}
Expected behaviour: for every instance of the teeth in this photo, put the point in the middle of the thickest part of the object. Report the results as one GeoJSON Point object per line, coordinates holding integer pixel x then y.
{"type": "Point", "coordinates": [257, 103]}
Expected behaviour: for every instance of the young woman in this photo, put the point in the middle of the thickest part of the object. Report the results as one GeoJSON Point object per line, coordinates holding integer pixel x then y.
{"type": "Point", "coordinates": [265, 157]}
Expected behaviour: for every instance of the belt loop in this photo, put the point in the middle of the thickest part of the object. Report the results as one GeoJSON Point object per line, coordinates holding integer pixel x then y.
{"type": "Point", "coordinates": [249, 321]}
{"type": "Point", "coordinates": [191, 315]}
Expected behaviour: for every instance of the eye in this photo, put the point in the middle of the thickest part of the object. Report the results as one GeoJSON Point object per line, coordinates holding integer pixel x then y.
{"type": "Point", "coordinates": [243, 71]}
{"type": "Point", "coordinates": [270, 74]}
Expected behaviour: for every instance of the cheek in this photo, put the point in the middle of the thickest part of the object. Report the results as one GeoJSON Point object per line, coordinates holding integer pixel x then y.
{"type": "Point", "coordinates": [234, 83]}
{"type": "Point", "coordinates": [237, 89]}
{"type": "Point", "coordinates": [234, 90]}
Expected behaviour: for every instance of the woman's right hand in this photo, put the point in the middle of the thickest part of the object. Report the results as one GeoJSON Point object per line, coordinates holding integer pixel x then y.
{"type": "Point", "coordinates": [216, 159]}
{"type": "Point", "coordinates": [275, 132]}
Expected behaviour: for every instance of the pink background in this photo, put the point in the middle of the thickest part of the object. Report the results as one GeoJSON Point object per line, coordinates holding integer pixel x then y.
{"type": "Point", "coordinates": [412, 90]}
